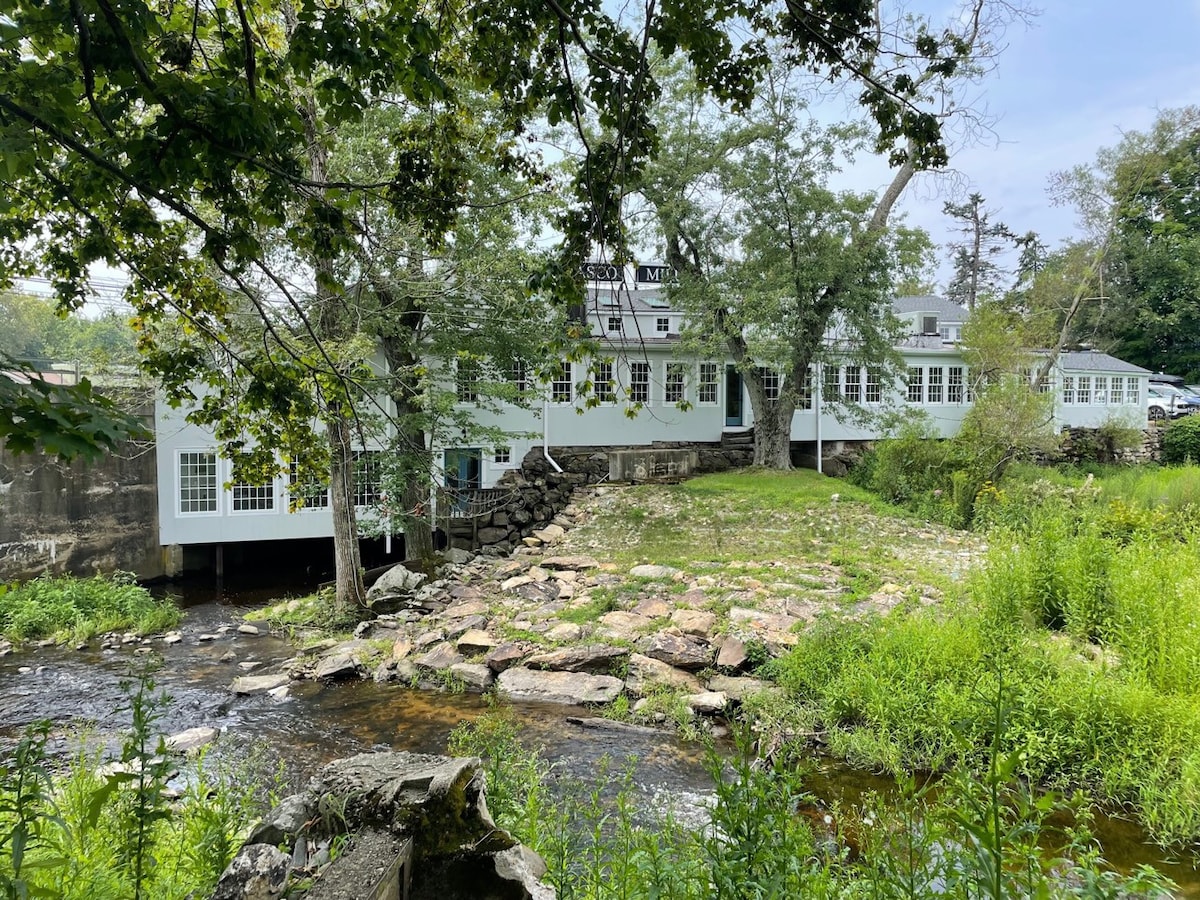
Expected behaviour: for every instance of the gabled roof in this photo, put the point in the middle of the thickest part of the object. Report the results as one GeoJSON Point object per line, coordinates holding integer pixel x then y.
{"type": "Point", "coordinates": [947, 310]}
{"type": "Point", "coordinates": [1095, 361]}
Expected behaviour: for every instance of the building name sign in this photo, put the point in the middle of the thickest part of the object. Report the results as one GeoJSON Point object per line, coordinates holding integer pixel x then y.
{"type": "Point", "coordinates": [611, 273]}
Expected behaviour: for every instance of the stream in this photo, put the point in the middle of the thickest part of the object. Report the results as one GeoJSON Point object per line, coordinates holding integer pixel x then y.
{"type": "Point", "coordinates": [76, 689]}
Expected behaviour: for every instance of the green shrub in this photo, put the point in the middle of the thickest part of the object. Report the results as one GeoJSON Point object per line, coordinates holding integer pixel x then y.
{"type": "Point", "coordinates": [69, 608]}
{"type": "Point", "coordinates": [1181, 441]}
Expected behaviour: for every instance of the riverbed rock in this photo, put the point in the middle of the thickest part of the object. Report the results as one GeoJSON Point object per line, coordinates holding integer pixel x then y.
{"type": "Point", "coordinates": [192, 739]}
{"type": "Point", "coordinates": [732, 654]}
{"type": "Point", "coordinates": [475, 676]}
{"type": "Point", "coordinates": [653, 608]}
{"type": "Point", "coordinates": [696, 622]}
{"type": "Point", "coordinates": [257, 872]}
{"type": "Point", "coordinates": [576, 563]}
{"type": "Point", "coordinates": [286, 820]}
{"type": "Point", "coordinates": [646, 674]}
{"type": "Point", "coordinates": [565, 633]}
{"type": "Point", "coordinates": [558, 687]}
{"type": "Point", "coordinates": [594, 659]}
{"type": "Point", "coordinates": [443, 656]}
{"type": "Point", "coordinates": [737, 689]}
{"type": "Point", "coordinates": [251, 630]}
{"type": "Point", "coordinates": [258, 684]}
{"type": "Point", "coordinates": [622, 626]}
{"type": "Point", "coordinates": [652, 571]}
{"type": "Point", "coordinates": [474, 641]}
{"type": "Point", "coordinates": [679, 650]}
{"type": "Point", "coordinates": [340, 667]}
{"type": "Point", "coordinates": [505, 656]}
{"type": "Point", "coordinates": [550, 534]}
{"type": "Point", "coordinates": [395, 582]}
{"type": "Point", "coordinates": [707, 703]}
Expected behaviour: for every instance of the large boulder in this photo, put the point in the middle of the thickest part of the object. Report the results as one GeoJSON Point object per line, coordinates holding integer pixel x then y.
{"type": "Point", "coordinates": [595, 659]}
{"type": "Point", "coordinates": [258, 872]}
{"type": "Point", "coordinates": [574, 688]}
{"type": "Point", "coordinates": [397, 581]}
{"type": "Point", "coordinates": [679, 650]}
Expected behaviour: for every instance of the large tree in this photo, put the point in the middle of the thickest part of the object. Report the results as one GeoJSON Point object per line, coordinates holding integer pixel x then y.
{"type": "Point", "coordinates": [805, 273]}
{"type": "Point", "coordinates": [183, 141]}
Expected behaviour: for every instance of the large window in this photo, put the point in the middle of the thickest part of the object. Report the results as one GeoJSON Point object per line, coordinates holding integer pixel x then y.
{"type": "Point", "coordinates": [602, 381]}
{"type": "Point", "coordinates": [806, 390]}
{"type": "Point", "coordinates": [1068, 390]}
{"type": "Point", "coordinates": [466, 380]}
{"type": "Point", "coordinates": [639, 382]}
{"type": "Point", "coordinates": [853, 386]}
{"type": "Point", "coordinates": [197, 482]}
{"type": "Point", "coordinates": [306, 494]}
{"type": "Point", "coordinates": [954, 384]}
{"type": "Point", "coordinates": [934, 391]}
{"type": "Point", "coordinates": [831, 383]}
{"type": "Point", "coordinates": [1101, 395]}
{"type": "Point", "coordinates": [518, 375]}
{"type": "Point", "coordinates": [1117, 395]}
{"type": "Point", "coordinates": [368, 477]}
{"type": "Point", "coordinates": [874, 389]}
{"type": "Point", "coordinates": [253, 497]}
{"type": "Point", "coordinates": [1132, 392]}
{"type": "Point", "coordinates": [561, 386]}
{"type": "Point", "coordinates": [708, 383]}
{"type": "Point", "coordinates": [1084, 392]}
{"type": "Point", "coordinates": [916, 385]}
{"type": "Point", "coordinates": [770, 383]}
{"type": "Point", "coordinates": [675, 390]}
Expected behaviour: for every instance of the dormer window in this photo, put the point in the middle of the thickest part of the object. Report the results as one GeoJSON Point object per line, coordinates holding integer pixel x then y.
{"type": "Point", "coordinates": [614, 324]}
{"type": "Point", "coordinates": [662, 325]}
{"type": "Point", "coordinates": [929, 325]}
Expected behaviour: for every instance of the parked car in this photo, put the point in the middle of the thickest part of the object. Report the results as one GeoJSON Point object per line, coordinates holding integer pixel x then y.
{"type": "Point", "coordinates": [1167, 401]}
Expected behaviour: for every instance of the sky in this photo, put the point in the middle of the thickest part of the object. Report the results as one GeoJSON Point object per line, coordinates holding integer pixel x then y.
{"type": "Point", "coordinates": [1081, 74]}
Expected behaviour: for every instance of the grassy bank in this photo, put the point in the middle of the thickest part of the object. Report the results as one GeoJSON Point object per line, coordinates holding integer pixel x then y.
{"type": "Point", "coordinates": [1075, 604]}
{"type": "Point", "coordinates": [78, 609]}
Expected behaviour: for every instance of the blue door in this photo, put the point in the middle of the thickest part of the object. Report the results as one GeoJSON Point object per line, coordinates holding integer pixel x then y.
{"type": "Point", "coordinates": [733, 397]}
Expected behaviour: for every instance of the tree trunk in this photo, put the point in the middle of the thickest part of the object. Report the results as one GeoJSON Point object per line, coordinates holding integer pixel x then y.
{"type": "Point", "coordinates": [772, 424]}
{"type": "Point", "coordinates": [350, 593]}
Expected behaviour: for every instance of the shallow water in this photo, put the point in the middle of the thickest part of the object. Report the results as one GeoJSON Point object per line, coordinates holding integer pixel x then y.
{"type": "Point", "coordinates": [317, 723]}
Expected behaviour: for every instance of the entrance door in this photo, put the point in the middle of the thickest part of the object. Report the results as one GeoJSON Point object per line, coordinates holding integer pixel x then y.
{"type": "Point", "coordinates": [733, 397]}
{"type": "Point", "coordinates": [464, 474]}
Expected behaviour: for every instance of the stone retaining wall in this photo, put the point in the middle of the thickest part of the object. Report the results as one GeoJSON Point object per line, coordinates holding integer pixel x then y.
{"type": "Point", "coordinates": [538, 493]}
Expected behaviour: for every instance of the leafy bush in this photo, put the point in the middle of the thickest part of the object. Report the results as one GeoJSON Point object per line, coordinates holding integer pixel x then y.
{"type": "Point", "coordinates": [69, 608]}
{"type": "Point", "coordinates": [1181, 441]}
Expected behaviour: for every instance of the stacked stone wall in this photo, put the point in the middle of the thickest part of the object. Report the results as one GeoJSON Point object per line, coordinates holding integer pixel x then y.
{"type": "Point", "coordinates": [537, 493]}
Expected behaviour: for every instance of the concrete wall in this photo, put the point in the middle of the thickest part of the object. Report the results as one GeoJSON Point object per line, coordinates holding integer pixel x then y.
{"type": "Point", "coordinates": [79, 518]}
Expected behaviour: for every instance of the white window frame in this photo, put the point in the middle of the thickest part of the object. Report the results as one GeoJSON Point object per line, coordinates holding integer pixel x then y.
{"type": "Point", "coordinates": [662, 325]}
{"type": "Point", "coordinates": [1100, 390]}
{"type": "Point", "coordinates": [242, 493]}
{"type": "Point", "coordinates": [215, 481]}
{"type": "Point", "coordinates": [562, 384]}
{"type": "Point", "coordinates": [1133, 393]}
{"type": "Point", "coordinates": [1116, 394]}
{"type": "Point", "coordinates": [852, 389]}
{"type": "Point", "coordinates": [1083, 390]}
{"type": "Point", "coordinates": [708, 391]}
{"type": "Point", "coordinates": [616, 325]}
{"type": "Point", "coordinates": [639, 382]}
{"type": "Point", "coordinates": [956, 383]}
{"type": "Point", "coordinates": [935, 384]}
{"type": "Point", "coordinates": [914, 385]}
{"type": "Point", "coordinates": [1068, 390]}
{"type": "Point", "coordinates": [675, 379]}
{"type": "Point", "coordinates": [873, 388]}
{"type": "Point", "coordinates": [308, 500]}
{"type": "Point", "coordinates": [502, 456]}
{"type": "Point", "coordinates": [603, 385]}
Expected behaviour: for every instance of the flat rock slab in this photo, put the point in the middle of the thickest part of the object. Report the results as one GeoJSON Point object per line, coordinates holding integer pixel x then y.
{"type": "Point", "coordinates": [577, 563]}
{"type": "Point", "coordinates": [573, 688]}
{"type": "Point", "coordinates": [623, 625]}
{"type": "Point", "coordinates": [694, 621]}
{"type": "Point", "coordinates": [505, 656]}
{"type": "Point", "coordinates": [258, 684]}
{"type": "Point", "coordinates": [475, 676]}
{"type": "Point", "coordinates": [680, 651]}
{"type": "Point", "coordinates": [475, 641]}
{"type": "Point", "coordinates": [649, 571]}
{"type": "Point", "coordinates": [340, 666]}
{"type": "Point", "coordinates": [595, 659]}
{"type": "Point", "coordinates": [737, 689]}
{"type": "Point", "coordinates": [192, 739]}
{"type": "Point", "coordinates": [646, 674]}
{"type": "Point", "coordinates": [443, 656]}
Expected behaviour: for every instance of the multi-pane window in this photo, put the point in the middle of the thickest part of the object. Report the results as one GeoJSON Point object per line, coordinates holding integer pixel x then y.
{"type": "Point", "coordinates": [934, 390]}
{"type": "Point", "coordinates": [1101, 395]}
{"type": "Point", "coordinates": [853, 387]}
{"type": "Point", "coordinates": [707, 390]}
{"type": "Point", "coordinates": [806, 390]}
{"type": "Point", "coordinates": [675, 388]}
{"type": "Point", "coordinates": [954, 384]}
{"type": "Point", "coordinates": [614, 324]}
{"type": "Point", "coordinates": [1116, 396]}
{"type": "Point", "coordinates": [1068, 389]}
{"type": "Point", "coordinates": [368, 477]}
{"type": "Point", "coordinates": [662, 325]}
{"type": "Point", "coordinates": [466, 380]}
{"type": "Point", "coordinates": [770, 383]}
{"type": "Point", "coordinates": [916, 385]}
{"type": "Point", "coordinates": [1084, 391]}
{"type": "Point", "coordinates": [518, 375]}
{"type": "Point", "coordinates": [561, 386]}
{"type": "Point", "coordinates": [306, 494]}
{"type": "Point", "coordinates": [253, 497]}
{"type": "Point", "coordinates": [1132, 392]}
{"type": "Point", "coordinates": [831, 383]}
{"type": "Point", "coordinates": [639, 382]}
{"type": "Point", "coordinates": [874, 389]}
{"type": "Point", "coordinates": [502, 455]}
{"type": "Point", "coordinates": [602, 381]}
{"type": "Point", "coordinates": [197, 482]}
